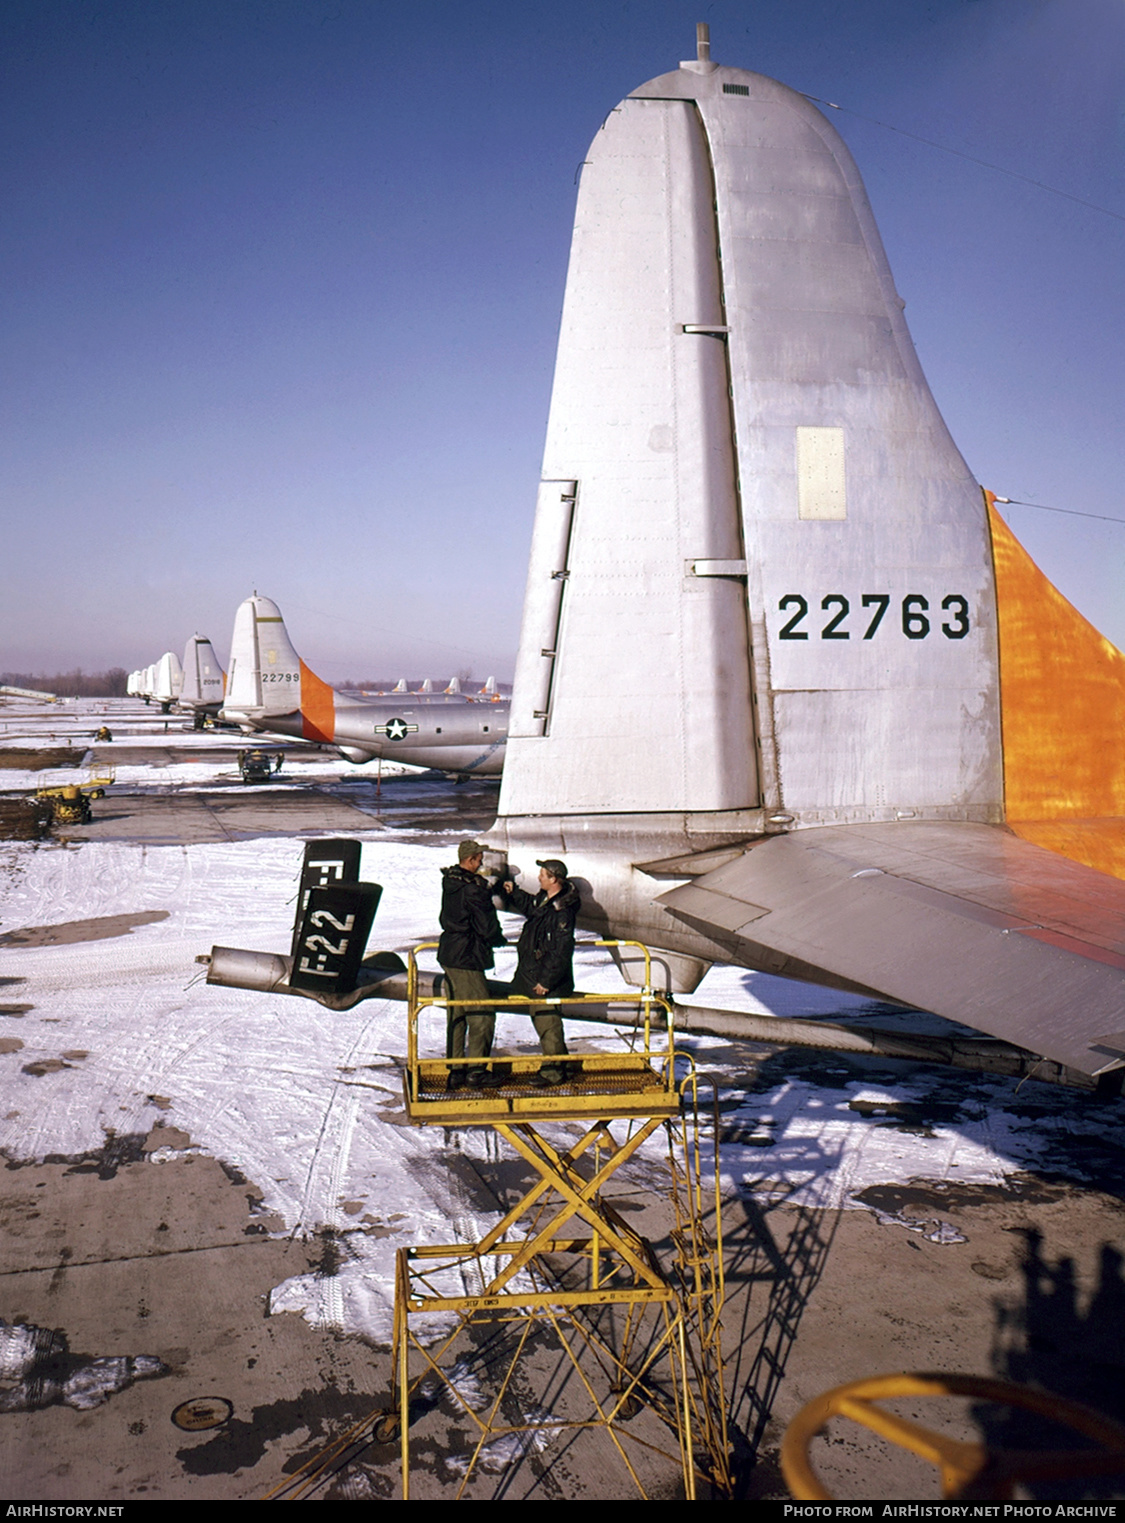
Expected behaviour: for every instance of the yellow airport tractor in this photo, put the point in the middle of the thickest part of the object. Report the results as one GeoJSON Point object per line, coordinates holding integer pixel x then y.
{"type": "Point", "coordinates": [70, 802]}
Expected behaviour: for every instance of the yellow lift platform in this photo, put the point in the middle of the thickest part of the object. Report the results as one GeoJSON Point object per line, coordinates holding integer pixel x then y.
{"type": "Point", "coordinates": [563, 1287]}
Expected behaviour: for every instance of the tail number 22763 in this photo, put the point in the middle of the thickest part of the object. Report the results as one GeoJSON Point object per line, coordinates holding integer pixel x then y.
{"type": "Point", "coordinates": [953, 620]}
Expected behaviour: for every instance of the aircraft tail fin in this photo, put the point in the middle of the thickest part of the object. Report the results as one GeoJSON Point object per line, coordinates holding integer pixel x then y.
{"type": "Point", "coordinates": [267, 676]}
{"type": "Point", "coordinates": [168, 678]}
{"type": "Point", "coordinates": [427, 686]}
{"type": "Point", "coordinates": [748, 496]}
{"type": "Point", "coordinates": [203, 676]}
{"type": "Point", "coordinates": [400, 686]}
{"type": "Point", "coordinates": [454, 685]}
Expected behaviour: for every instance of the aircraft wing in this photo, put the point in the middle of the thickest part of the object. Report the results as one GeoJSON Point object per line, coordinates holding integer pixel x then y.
{"type": "Point", "coordinates": [961, 919]}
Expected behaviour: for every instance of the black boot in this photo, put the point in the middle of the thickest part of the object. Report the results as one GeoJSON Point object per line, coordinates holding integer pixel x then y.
{"type": "Point", "coordinates": [484, 1078]}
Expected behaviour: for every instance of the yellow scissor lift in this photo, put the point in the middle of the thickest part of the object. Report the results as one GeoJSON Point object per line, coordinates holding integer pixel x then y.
{"type": "Point", "coordinates": [628, 1329]}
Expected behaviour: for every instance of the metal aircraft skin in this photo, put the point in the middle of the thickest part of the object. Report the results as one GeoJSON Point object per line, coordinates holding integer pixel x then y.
{"type": "Point", "coordinates": [196, 685]}
{"type": "Point", "coordinates": [204, 681]}
{"type": "Point", "coordinates": [160, 683]}
{"type": "Point", "coordinates": [139, 683]}
{"type": "Point", "coordinates": [886, 755]}
{"type": "Point", "coordinates": [269, 688]}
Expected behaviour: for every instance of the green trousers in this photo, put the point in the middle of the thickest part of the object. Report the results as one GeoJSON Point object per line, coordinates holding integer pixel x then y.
{"type": "Point", "coordinates": [480, 1025]}
{"type": "Point", "coordinates": [547, 1022]}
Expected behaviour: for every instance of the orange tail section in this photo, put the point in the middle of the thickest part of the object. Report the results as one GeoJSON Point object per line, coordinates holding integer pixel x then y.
{"type": "Point", "coordinates": [1062, 702]}
{"type": "Point", "coordinates": [318, 707]}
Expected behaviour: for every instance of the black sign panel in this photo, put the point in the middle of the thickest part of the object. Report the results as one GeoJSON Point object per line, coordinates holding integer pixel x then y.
{"type": "Point", "coordinates": [332, 937]}
{"type": "Point", "coordinates": [326, 862]}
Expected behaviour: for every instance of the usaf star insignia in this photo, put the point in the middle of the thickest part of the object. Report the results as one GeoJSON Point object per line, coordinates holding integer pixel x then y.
{"type": "Point", "coordinates": [396, 729]}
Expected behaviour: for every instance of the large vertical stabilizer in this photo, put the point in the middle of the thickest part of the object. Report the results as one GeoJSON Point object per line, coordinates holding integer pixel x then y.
{"type": "Point", "coordinates": [761, 588]}
{"type": "Point", "coordinates": [167, 680]}
{"type": "Point", "coordinates": [268, 679]}
{"type": "Point", "coordinates": [759, 694]}
{"type": "Point", "coordinates": [265, 670]}
{"type": "Point", "coordinates": [204, 678]}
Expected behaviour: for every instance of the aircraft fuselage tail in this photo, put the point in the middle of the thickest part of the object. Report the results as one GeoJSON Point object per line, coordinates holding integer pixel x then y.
{"type": "Point", "coordinates": [762, 601]}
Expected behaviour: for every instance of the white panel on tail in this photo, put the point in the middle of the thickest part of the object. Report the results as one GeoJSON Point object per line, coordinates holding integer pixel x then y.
{"type": "Point", "coordinates": [822, 490]}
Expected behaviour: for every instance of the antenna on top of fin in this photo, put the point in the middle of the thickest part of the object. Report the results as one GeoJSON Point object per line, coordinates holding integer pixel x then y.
{"type": "Point", "coordinates": [701, 63]}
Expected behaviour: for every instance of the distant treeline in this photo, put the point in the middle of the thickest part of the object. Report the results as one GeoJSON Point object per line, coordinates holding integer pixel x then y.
{"type": "Point", "coordinates": [75, 684]}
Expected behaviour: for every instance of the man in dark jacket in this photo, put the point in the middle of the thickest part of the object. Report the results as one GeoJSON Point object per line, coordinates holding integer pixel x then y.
{"type": "Point", "coordinates": [469, 931]}
{"type": "Point", "coordinates": [546, 951]}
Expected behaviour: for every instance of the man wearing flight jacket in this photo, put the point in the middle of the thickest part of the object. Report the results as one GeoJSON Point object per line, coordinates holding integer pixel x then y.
{"type": "Point", "coordinates": [469, 931]}
{"type": "Point", "coordinates": [546, 951]}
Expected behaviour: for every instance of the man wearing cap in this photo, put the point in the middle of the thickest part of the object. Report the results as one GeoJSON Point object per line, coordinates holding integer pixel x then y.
{"type": "Point", "coordinates": [469, 931]}
{"type": "Point", "coordinates": [545, 958]}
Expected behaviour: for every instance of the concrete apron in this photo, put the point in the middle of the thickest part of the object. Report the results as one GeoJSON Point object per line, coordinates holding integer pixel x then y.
{"type": "Point", "coordinates": [174, 1262]}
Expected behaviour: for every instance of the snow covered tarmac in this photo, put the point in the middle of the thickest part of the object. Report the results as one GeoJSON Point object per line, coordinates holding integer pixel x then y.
{"type": "Point", "coordinates": [110, 1037]}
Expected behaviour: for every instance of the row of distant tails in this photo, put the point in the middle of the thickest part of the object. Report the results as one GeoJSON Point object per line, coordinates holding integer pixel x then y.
{"type": "Point", "coordinates": [269, 689]}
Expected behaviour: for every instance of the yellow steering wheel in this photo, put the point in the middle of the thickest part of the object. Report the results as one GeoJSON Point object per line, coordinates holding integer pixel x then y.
{"type": "Point", "coordinates": [968, 1470]}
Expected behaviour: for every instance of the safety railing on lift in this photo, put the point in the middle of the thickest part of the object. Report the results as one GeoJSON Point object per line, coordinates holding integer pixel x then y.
{"type": "Point", "coordinates": [639, 1073]}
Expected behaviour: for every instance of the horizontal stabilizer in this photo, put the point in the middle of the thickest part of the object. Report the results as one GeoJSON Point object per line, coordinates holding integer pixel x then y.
{"type": "Point", "coordinates": [332, 937]}
{"type": "Point", "coordinates": [962, 919]}
{"type": "Point", "coordinates": [326, 862]}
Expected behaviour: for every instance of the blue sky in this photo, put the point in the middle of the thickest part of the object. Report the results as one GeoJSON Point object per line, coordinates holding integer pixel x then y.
{"type": "Point", "coordinates": [280, 286]}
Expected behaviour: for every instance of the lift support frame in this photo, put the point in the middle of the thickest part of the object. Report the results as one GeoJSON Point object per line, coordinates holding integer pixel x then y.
{"type": "Point", "coordinates": [634, 1329]}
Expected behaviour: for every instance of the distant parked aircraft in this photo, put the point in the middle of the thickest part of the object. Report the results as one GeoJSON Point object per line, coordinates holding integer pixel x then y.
{"type": "Point", "coordinates": [204, 680]}
{"type": "Point", "coordinates": [270, 688]}
{"type": "Point", "coordinates": [167, 680]}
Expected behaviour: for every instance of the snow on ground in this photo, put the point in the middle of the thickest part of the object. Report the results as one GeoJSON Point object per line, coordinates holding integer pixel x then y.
{"type": "Point", "coordinates": [141, 731]}
{"type": "Point", "coordinates": [191, 776]}
{"type": "Point", "coordinates": [306, 1102]}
